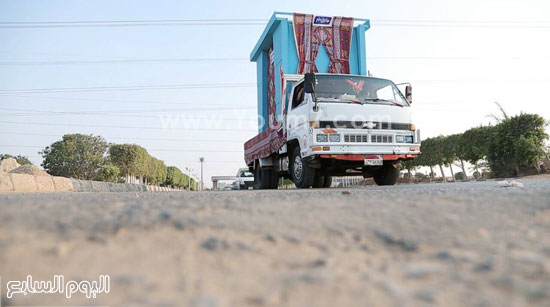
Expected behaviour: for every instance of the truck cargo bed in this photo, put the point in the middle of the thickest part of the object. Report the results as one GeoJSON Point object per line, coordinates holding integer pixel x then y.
{"type": "Point", "coordinates": [264, 144]}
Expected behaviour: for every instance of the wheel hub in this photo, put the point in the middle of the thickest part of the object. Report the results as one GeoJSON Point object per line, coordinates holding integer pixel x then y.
{"type": "Point", "coordinates": [298, 168]}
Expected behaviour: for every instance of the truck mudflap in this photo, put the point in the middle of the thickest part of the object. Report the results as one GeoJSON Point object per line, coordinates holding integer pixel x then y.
{"type": "Point", "coordinates": [264, 144]}
{"type": "Point", "coordinates": [354, 157]}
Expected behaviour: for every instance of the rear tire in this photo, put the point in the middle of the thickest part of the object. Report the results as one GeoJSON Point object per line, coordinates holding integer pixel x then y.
{"type": "Point", "coordinates": [261, 177]}
{"type": "Point", "coordinates": [273, 180]}
{"type": "Point", "coordinates": [328, 182]}
{"type": "Point", "coordinates": [318, 182]}
{"type": "Point", "coordinates": [300, 172]}
{"type": "Point", "coordinates": [387, 175]}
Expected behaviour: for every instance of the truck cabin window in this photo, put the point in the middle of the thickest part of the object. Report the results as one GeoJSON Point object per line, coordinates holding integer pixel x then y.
{"type": "Point", "coordinates": [341, 88]}
{"type": "Point", "coordinates": [298, 95]}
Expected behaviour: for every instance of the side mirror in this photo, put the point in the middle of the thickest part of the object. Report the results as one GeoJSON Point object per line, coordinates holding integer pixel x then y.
{"type": "Point", "coordinates": [309, 83]}
{"type": "Point", "coordinates": [409, 93]}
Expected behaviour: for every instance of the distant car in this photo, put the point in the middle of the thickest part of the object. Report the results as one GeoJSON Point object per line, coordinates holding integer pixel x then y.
{"type": "Point", "coordinates": [235, 185]}
{"type": "Point", "coordinates": [245, 179]}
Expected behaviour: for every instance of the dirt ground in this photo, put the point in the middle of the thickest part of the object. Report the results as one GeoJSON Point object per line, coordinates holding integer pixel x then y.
{"type": "Point", "coordinates": [440, 244]}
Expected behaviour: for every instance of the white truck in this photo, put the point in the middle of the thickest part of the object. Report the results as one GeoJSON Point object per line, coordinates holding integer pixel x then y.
{"type": "Point", "coordinates": [245, 179]}
{"type": "Point", "coordinates": [319, 125]}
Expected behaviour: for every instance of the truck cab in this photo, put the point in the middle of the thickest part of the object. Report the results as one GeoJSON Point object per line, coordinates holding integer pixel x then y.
{"type": "Point", "coordinates": [342, 125]}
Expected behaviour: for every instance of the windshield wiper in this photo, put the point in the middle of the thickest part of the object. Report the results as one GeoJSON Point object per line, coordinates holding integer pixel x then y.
{"type": "Point", "coordinates": [353, 100]}
{"type": "Point", "coordinates": [383, 100]}
{"type": "Point", "coordinates": [341, 100]}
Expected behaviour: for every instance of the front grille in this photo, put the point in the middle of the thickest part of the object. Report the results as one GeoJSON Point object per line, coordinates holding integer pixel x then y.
{"type": "Point", "coordinates": [381, 139]}
{"type": "Point", "coordinates": [356, 138]}
{"type": "Point", "coordinates": [364, 138]}
{"type": "Point", "coordinates": [364, 125]}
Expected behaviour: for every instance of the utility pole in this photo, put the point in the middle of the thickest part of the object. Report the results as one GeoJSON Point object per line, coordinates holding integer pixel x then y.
{"type": "Point", "coordinates": [201, 159]}
{"type": "Point", "coordinates": [188, 178]}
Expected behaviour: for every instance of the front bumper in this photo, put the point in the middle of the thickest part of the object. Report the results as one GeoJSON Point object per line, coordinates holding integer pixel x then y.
{"type": "Point", "coordinates": [366, 142]}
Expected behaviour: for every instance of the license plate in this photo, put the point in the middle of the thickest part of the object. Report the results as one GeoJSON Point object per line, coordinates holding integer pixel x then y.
{"type": "Point", "coordinates": [373, 162]}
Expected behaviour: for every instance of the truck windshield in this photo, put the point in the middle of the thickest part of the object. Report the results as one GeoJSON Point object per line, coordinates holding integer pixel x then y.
{"type": "Point", "coordinates": [358, 89]}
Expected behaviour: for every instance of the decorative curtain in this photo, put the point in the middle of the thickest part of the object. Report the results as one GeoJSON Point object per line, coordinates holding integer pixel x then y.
{"type": "Point", "coordinates": [303, 29]}
{"type": "Point", "coordinates": [342, 28]}
{"type": "Point", "coordinates": [335, 38]}
{"type": "Point", "coordinates": [272, 106]}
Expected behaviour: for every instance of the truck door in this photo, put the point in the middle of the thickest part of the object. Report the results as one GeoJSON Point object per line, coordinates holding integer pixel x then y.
{"type": "Point", "coordinates": [298, 117]}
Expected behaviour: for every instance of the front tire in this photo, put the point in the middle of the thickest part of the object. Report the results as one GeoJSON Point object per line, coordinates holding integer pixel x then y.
{"type": "Point", "coordinates": [387, 175]}
{"type": "Point", "coordinates": [300, 172]}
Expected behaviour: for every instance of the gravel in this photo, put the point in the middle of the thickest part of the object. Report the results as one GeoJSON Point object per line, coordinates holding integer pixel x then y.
{"type": "Point", "coordinates": [444, 244]}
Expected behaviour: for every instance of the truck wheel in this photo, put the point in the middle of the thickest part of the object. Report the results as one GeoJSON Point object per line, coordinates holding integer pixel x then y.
{"type": "Point", "coordinates": [318, 182]}
{"type": "Point", "coordinates": [273, 180]}
{"type": "Point", "coordinates": [387, 175]}
{"type": "Point", "coordinates": [261, 178]}
{"type": "Point", "coordinates": [328, 182]}
{"type": "Point", "coordinates": [300, 172]}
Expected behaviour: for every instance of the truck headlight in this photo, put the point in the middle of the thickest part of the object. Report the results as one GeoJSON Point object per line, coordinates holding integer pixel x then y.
{"type": "Point", "coordinates": [407, 139]}
{"type": "Point", "coordinates": [400, 139]}
{"type": "Point", "coordinates": [322, 138]}
{"type": "Point", "coordinates": [334, 137]}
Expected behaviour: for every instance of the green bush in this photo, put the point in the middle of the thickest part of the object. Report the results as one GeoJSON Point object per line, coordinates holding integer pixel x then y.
{"type": "Point", "coordinates": [516, 141]}
{"type": "Point", "coordinates": [109, 173]}
{"type": "Point", "coordinates": [459, 176]}
{"type": "Point", "coordinates": [75, 155]}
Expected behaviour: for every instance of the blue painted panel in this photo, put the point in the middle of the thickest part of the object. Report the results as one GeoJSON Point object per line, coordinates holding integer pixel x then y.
{"type": "Point", "coordinates": [292, 61]}
{"type": "Point", "coordinates": [323, 60]}
{"type": "Point", "coordinates": [279, 33]}
{"type": "Point", "coordinates": [280, 48]}
{"type": "Point", "coordinates": [361, 57]}
{"type": "Point", "coordinates": [353, 61]}
{"type": "Point", "coordinates": [262, 90]}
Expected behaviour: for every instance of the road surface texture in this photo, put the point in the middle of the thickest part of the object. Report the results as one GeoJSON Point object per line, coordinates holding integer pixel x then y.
{"type": "Point", "coordinates": [453, 244]}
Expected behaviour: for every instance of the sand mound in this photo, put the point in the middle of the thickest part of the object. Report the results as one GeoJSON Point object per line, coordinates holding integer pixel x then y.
{"type": "Point", "coordinates": [29, 170]}
{"type": "Point", "coordinates": [8, 165]}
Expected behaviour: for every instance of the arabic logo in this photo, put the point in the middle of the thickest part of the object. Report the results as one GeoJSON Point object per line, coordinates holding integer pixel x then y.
{"type": "Point", "coordinates": [322, 20]}
{"type": "Point", "coordinates": [58, 285]}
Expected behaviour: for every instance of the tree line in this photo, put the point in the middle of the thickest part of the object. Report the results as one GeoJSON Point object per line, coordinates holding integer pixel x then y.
{"type": "Point", "coordinates": [90, 157]}
{"type": "Point", "coordinates": [513, 143]}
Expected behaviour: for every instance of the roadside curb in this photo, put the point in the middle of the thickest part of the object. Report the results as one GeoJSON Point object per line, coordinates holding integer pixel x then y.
{"type": "Point", "coordinates": [23, 183]}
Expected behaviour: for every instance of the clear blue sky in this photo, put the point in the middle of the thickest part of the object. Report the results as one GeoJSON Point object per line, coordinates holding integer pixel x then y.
{"type": "Point", "coordinates": [498, 50]}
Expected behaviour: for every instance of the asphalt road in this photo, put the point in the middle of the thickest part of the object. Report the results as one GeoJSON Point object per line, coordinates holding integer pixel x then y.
{"type": "Point", "coordinates": [453, 244]}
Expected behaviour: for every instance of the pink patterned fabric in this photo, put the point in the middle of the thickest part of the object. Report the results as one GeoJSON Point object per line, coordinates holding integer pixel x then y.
{"type": "Point", "coordinates": [303, 29]}
{"type": "Point", "coordinates": [263, 145]}
{"type": "Point", "coordinates": [342, 28]}
{"type": "Point", "coordinates": [283, 90]}
{"type": "Point", "coordinates": [272, 106]}
{"type": "Point", "coordinates": [336, 39]}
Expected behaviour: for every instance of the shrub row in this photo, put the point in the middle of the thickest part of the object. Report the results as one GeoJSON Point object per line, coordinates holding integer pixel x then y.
{"type": "Point", "coordinates": [515, 142]}
{"type": "Point", "coordinates": [92, 158]}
